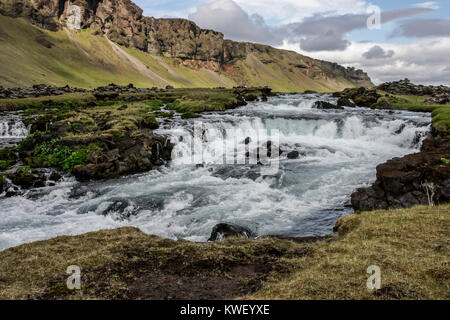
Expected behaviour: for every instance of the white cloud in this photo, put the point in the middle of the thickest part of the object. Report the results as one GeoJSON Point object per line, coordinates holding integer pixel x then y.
{"type": "Point", "coordinates": [424, 61]}
{"type": "Point", "coordinates": [229, 18]}
{"type": "Point", "coordinates": [428, 5]}
{"type": "Point", "coordinates": [288, 11]}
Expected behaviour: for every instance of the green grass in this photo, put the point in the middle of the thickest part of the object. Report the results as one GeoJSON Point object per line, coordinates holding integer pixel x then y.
{"type": "Point", "coordinates": [439, 113]}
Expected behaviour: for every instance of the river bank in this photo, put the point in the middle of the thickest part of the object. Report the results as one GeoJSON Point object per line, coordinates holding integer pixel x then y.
{"type": "Point", "coordinates": [409, 245]}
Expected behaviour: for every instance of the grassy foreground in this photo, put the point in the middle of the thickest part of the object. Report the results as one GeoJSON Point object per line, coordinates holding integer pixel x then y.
{"type": "Point", "coordinates": [411, 247]}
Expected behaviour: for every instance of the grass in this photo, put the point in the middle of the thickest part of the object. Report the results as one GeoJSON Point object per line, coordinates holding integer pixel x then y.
{"type": "Point", "coordinates": [409, 245]}
{"type": "Point", "coordinates": [439, 113]}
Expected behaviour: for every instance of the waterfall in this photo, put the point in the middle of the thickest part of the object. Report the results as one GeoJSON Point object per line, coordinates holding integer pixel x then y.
{"type": "Point", "coordinates": [12, 128]}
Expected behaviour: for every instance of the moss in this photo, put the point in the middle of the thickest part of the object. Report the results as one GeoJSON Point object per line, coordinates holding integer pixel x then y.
{"type": "Point", "coordinates": [4, 164]}
{"type": "Point", "coordinates": [189, 115]}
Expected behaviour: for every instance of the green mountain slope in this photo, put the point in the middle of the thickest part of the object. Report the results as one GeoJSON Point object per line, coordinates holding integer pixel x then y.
{"type": "Point", "coordinates": [83, 58]}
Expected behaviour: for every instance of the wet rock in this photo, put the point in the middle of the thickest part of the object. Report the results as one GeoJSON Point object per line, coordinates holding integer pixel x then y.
{"type": "Point", "coordinates": [120, 208]}
{"type": "Point", "coordinates": [323, 105]}
{"type": "Point", "coordinates": [421, 178]}
{"type": "Point", "coordinates": [27, 179]}
{"type": "Point", "coordinates": [125, 155]}
{"type": "Point", "coordinates": [225, 230]}
{"type": "Point", "coordinates": [55, 177]}
{"type": "Point", "coordinates": [345, 102]}
{"type": "Point", "coordinates": [361, 97]}
{"type": "Point", "coordinates": [293, 155]}
{"type": "Point", "coordinates": [382, 104]}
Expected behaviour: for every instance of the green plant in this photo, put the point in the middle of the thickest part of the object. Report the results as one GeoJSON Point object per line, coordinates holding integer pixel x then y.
{"type": "Point", "coordinates": [155, 105]}
{"type": "Point", "coordinates": [446, 161]}
{"type": "Point", "coordinates": [53, 155]}
{"type": "Point", "coordinates": [24, 169]}
{"type": "Point", "coordinates": [4, 164]}
{"type": "Point", "coordinates": [189, 115]}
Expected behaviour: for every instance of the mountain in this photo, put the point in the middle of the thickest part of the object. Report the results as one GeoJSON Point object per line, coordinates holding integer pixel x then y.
{"type": "Point", "coordinates": [87, 43]}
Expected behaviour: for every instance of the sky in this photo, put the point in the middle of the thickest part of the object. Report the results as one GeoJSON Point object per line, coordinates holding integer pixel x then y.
{"type": "Point", "coordinates": [390, 40]}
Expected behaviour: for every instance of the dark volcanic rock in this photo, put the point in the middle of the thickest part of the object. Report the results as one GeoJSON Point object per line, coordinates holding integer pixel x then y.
{"type": "Point", "coordinates": [439, 94]}
{"type": "Point", "coordinates": [38, 90]}
{"type": "Point", "coordinates": [362, 97]}
{"type": "Point", "coordinates": [293, 155]}
{"type": "Point", "coordinates": [325, 105]}
{"type": "Point", "coordinates": [125, 155]}
{"type": "Point", "coordinates": [27, 179]}
{"type": "Point", "coordinates": [345, 102]}
{"type": "Point", "coordinates": [411, 180]}
{"type": "Point", "coordinates": [226, 230]}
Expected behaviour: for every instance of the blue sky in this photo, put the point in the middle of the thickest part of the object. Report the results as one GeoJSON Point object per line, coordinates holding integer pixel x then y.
{"type": "Point", "coordinates": [414, 43]}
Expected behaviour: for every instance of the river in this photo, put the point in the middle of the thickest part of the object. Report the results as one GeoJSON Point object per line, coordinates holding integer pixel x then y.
{"type": "Point", "coordinates": [339, 151]}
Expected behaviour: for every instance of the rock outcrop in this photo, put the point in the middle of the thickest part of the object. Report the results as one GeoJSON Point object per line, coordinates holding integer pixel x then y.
{"type": "Point", "coordinates": [123, 22]}
{"type": "Point", "coordinates": [38, 90]}
{"type": "Point", "coordinates": [417, 179]}
{"type": "Point", "coordinates": [439, 94]}
{"type": "Point", "coordinates": [225, 230]}
{"type": "Point", "coordinates": [323, 105]}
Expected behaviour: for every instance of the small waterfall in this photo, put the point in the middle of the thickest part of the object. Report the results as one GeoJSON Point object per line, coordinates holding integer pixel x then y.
{"type": "Point", "coordinates": [12, 129]}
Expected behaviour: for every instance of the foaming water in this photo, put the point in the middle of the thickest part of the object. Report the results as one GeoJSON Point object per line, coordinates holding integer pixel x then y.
{"type": "Point", "coordinates": [12, 130]}
{"type": "Point", "coordinates": [339, 149]}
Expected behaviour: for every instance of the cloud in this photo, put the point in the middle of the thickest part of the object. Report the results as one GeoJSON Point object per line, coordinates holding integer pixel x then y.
{"type": "Point", "coordinates": [320, 32]}
{"type": "Point", "coordinates": [377, 52]}
{"type": "Point", "coordinates": [423, 28]}
{"type": "Point", "coordinates": [327, 33]}
{"type": "Point", "coordinates": [289, 11]}
{"type": "Point", "coordinates": [230, 19]}
{"type": "Point", "coordinates": [423, 61]}
{"type": "Point", "coordinates": [429, 4]}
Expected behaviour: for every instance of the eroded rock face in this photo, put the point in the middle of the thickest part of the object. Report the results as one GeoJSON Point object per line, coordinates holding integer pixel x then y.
{"type": "Point", "coordinates": [123, 22]}
{"type": "Point", "coordinates": [412, 180]}
{"type": "Point", "coordinates": [126, 155]}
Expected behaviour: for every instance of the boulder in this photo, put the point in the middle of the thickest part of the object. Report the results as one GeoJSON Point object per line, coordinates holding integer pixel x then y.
{"type": "Point", "coordinates": [417, 179]}
{"type": "Point", "coordinates": [345, 102]}
{"type": "Point", "coordinates": [323, 105]}
{"type": "Point", "coordinates": [225, 230]}
{"type": "Point", "coordinates": [293, 155]}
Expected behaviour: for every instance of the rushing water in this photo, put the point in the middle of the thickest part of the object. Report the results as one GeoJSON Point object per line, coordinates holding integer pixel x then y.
{"type": "Point", "coordinates": [340, 151]}
{"type": "Point", "coordinates": [12, 130]}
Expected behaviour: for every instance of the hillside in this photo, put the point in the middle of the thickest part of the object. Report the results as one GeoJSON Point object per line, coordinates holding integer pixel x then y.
{"type": "Point", "coordinates": [91, 43]}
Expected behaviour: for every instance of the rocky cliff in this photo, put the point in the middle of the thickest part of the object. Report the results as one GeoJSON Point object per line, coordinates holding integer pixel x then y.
{"type": "Point", "coordinates": [123, 22]}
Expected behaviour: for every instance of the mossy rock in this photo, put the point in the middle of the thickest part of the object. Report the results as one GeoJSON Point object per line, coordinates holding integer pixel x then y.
{"type": "Point", "coordinates": [189, 115]}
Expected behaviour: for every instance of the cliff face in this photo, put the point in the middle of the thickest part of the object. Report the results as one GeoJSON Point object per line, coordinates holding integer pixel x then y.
{"type": "Point", "coordinates": [123, 22]}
